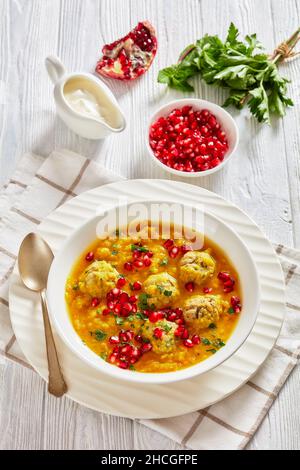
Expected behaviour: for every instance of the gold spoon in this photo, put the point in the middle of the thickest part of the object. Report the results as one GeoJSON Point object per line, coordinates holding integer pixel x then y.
{"type": "Point", "coordinates": [34, 260]}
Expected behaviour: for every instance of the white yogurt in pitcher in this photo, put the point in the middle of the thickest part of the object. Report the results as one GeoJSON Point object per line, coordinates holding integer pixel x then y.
{"type": "Point", "coordinates": [85, 103]}
{"type": "Point", "coordinates": [87, 99]}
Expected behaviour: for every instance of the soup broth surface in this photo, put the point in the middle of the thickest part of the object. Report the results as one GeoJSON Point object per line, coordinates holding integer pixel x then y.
{"type": "Point", "coordinates": [136, 304]}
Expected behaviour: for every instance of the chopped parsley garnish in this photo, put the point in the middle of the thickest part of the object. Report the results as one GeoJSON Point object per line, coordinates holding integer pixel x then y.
{"type": "Point", "coordinates": [114, 252]}
{"type": "Point", "coordinates": [143, 301]}
{"type": "Point", "coordinates": [212, 326]}
{"type": "Point", "coordinates": [99, 335]}
{"type": "Point", "coordinates": [141, 316]}
{"type": "Point", "coordinates": [103, 356]}
{"type": "Point", "coordinates": [119, 320]}
{"type": "Point", "coordinates": [164, 262]}
{"type": "Point", "coordinates": [131, 367]}
{"type": "Point", "coordinates": [205, 341]}
{"type": "Point", "coordinates": [167, 328]}
{"type": "Point", "coordinates": [168, 293]}
{"type": "Point", "coordinates": [218, 343]}
{"type": "Point", "coordinates": [231, 311]}
{"type": "Point", "coordinates": [160, 288]}
{"type": "Point", "coordinates": [142, 249]}
{"type": "Point", "coordinates": [213, 351]}
{"type": "Point", "coordinates": [75, 287]}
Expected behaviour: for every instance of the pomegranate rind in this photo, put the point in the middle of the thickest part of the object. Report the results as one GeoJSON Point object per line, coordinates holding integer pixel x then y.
{"type": "Point", "coordinates": [114, 70]}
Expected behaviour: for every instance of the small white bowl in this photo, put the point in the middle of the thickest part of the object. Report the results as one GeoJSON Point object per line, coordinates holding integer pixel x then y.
{"type": "Point", "coordinates": [214, 229]}
{"type": "Point", "coordinates": [225, 119]}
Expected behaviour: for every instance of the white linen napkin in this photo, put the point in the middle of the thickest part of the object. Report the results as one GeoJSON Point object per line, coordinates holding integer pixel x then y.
{"type": "Point", "coordinates": [38, 187]}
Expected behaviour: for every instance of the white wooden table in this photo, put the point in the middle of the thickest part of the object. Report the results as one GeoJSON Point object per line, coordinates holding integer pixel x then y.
{"type": "Point", "coordinates": [263, 179]}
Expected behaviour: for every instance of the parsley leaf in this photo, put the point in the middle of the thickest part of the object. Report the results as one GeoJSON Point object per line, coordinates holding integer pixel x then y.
{"type": "Point", "coordinates": [205, 341]}
{"type": "Point", "coordinates": [168, 293]}
{"type": "Point", "coordinates": [142, 249]}
{"type": "Point", "coordinates": [250, 76]}
{"type": "Point", "coordinates": [99, 335]}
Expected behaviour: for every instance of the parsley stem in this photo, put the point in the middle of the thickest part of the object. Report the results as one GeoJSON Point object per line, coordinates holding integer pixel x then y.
{"type": "Point", "coordinates": [284, 50]}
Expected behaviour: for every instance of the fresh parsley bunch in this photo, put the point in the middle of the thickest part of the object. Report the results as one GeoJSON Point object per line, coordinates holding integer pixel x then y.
{"type": "Point", "coordinates": [252, 77]}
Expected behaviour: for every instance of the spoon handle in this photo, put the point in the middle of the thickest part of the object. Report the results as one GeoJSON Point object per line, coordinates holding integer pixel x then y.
{"type": "Point", "coordinates": [56, 385]}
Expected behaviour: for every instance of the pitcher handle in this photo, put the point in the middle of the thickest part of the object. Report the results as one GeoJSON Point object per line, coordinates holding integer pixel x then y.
{"type": "Point", "coordinates": [55, 68]}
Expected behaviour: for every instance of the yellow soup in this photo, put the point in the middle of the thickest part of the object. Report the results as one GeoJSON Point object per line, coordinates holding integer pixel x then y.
{"type": "Point", "coordinates": [152, 305]}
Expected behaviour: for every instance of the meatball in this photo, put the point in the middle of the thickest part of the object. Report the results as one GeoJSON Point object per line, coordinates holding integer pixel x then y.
{"type": "Point", "coordinates": [197, 267]}
{"type": "Point", "coordinates": [165, 343]}
{"type": "Point", "coordinates": [162, 290]}
{"type": "Point", "coordinates": [202, 310]}
{"type": "Point", "coordinates": [98, 278]}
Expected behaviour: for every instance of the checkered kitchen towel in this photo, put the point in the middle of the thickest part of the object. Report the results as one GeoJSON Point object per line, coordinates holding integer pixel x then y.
{"type": "Point", "coordinates": [39, 186]}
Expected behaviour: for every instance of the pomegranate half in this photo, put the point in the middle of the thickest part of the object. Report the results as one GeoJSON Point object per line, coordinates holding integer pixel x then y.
{"type": "Point", "coordinates": [131, 56]}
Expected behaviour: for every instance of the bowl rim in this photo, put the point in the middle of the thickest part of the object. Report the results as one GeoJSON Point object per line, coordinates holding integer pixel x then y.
{"type": "Point", "coordinates": [207, 104]}
{"type": "Point", "coordinates": [140, 377]}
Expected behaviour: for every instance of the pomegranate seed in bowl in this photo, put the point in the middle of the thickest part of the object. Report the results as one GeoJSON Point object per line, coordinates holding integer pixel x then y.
{"type": "Point", "coordinates": [191, 139]}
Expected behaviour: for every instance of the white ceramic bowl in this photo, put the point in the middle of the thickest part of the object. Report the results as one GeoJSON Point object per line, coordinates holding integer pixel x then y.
{"type": "Point", "coordinates": [225, 119]}
{"type": "Point", "coordinates": [214, 229]}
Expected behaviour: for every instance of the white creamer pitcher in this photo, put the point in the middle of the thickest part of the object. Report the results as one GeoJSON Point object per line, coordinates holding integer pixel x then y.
{"type": "Point", "coordinates": [84, 116]}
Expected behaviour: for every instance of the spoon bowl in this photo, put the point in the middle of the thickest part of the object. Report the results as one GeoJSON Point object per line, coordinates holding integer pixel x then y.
{"type": "Point", "coordinates": [34, 261]}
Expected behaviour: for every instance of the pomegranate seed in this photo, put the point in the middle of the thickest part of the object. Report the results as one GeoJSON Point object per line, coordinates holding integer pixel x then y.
{"type": "Point", "coordinates": [136, 254]}
{"type": "Point", "coordinates": [158, 333]}
{"type": "Point", "coordinates": [126, 350]}
{"type": "Point", "coordinates": [207, 290]}
{"type": "Point", "coordinates": [229, 283]}
{"type": "Point", "coordinates": [114, 340]}
{"type": "Point", "coordinates": [168, 244]}
{"type": "Point", "coordinates": [178, 332]}
{"type": "Point", "coordinates": [117, 308]}
{"type": "Point", "coordinates": [130, 335]}
{"type": "Point", "coordinates": [190, 286]}
{"type": "Point", "coordinates": [185, 248]}
{"type": "Point", "coordinates": [123, 365]}
{"type": "Point", "coordinates": [224, 276]}
{"type": "Point", "coordinates": [128, 266]}
{"type": "Point", "coordinates": [90, 256]}
{"type": "Point", "coordinates": [228, 289]}
{"type": "Point", "coordinates": [146, 347]}
{"type": "Point", "coordinates": [134, 308]}
{"type": "Point", "coordinates": [184, 334]}
{"type": "Point", "coordinates": [188, 343]}
{"type": "Point", "coordinates": [105, 311]}
{"type": "Point", "coordinates": [196, 339]}
{"type": "Point", "coordinates": [127, 306]}
{"type": "Point", "coordinates": [172, 316]}
{"type": "Point", "coordinates": [138, 338]}
{"type": "Point", "coordinates": [121, 282]}
{"type": "Point", "coordinates": [147, 262]}
{"type": "Point", "coordinates": [155, 316]}
{"type": "Point", "coordinates": [235, 300]}
{"type": "Point", "coordinates": [123, 336]}
{"type": "Point", "coordinates": [124, 297]}
{"type": "Point", "coordinates": [115, 292]}
{"type": "Point", "coordinates": [150, 254]}
{"type": "Point", "coordinates": [173, 252]}
{"type": "Point", "coordinates": [113, 358]}
{"type": "Point", "coordinates": [187, 136]}
{"type": "Point", "coordinates": [179, 321]}
{"type": "Point", "coordinates": [132, 299]}
{"type": "Point", "coordinates": [95, 302]}
{"type": "Point", "coordinates": [138, 263]}
{"type": "Point", "coordinates": [111, 305]}
{"type": "Point", "coordinates": [137, 285]}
